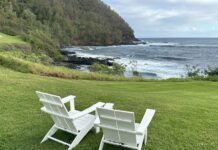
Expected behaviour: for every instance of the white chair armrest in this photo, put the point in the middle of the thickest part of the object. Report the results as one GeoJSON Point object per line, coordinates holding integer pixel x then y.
{"type": "Point", "coordinates": [97, 122]}
{"type": "Point", "coordinates": [109, 105]}
{"type": "Point", "coordinates": [145, 121]}
{"type": "Point", "coordinates": [43, 109]}
{"type": "Point", "coordinates": [71, 100]}
{"type": "Point", "coordinates": [68, 99]}
{"type": "Point", "coordinates": [88, 110]}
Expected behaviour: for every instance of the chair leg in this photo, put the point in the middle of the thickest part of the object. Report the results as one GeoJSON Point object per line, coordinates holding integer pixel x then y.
{"type": "Point", "coordinates": [50, 133]}
{"type": "Point", "coordinates": [101, 144]}
{"type": "Point", "coordinates": [140, 146]}
{"type": "Point", "coordinates": [97, 129]}
{"type": "Point", "coordinates": [144, 141]}
{"type": "Point", "coordinates": [145, 138]}
{"type": "Point", "coordinates": [80, 136]}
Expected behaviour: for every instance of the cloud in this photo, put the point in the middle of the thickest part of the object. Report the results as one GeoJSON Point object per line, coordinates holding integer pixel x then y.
{"type": "Point", "coordinates": [169, 17]}
{"type": "Point", "coordinates": [195, 1]}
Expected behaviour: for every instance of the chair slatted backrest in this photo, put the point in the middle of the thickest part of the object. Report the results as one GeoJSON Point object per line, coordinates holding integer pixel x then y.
{"type": "Point", "coordinates": [118, 126]}
{"type": "Point", "coordinates": [57, 110]}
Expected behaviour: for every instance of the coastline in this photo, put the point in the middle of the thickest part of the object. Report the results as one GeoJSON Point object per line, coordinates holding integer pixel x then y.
{"type": "Point", "coordinates": [156, 58]}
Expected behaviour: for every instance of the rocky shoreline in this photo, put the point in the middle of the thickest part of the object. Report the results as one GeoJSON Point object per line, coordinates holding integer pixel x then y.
{"type": "Point", "coordinates": [72, 60]}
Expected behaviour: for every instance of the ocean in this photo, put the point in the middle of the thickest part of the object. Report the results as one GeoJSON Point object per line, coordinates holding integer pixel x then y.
{"type": "Point", "coordinates": [158, 58]}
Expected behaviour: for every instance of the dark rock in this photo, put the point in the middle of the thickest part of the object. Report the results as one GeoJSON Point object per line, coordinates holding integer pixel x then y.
{"type": "Point", "coordinates": [89, 61]}
{"type": "Point", "coordinates": [65, 52]}
{"type": "Point", "coordinates": [139, 42]}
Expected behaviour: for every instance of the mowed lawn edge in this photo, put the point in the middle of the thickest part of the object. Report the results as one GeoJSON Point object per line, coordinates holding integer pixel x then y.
{"type": "Point", "coordinates": [7, 39]}
{"type": "Point", "coordinates": [186, 112]}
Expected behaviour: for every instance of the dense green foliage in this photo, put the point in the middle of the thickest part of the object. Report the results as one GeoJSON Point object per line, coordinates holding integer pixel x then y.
{"type": "Point", "coordinates": [116, 69]}
{"type": "Point", "coordinates": [211, 71]}
{"type": "Point", "coordinates": [211, 74]}
{"type": "Point", "coordinates": [51, 24]}
{"type": "Point", "coordinates": [186, 112]}
{"type": "Point", "coordinates": [193, 71]}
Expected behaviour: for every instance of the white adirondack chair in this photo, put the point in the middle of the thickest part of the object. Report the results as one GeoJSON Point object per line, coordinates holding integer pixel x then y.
{"type": "Point", "coordinates": [119, 128]}
{"type": "Point", "coordinates": [73, 121]}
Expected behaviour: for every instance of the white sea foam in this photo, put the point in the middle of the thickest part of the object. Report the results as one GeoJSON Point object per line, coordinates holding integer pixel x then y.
{"type": "Point", "coordinates": [116, 46]}
{"type": "Point", "coordinates": [162, 44]}
{"type": "Point", "coordinates": [79, 48]}
{"type": "Point", "coordinates": [154, 69]}
{"type": "Point", "coordinates": [72, 49]}
{"type": "Point", "coordinates": [143, 45]}
{"type": "Point", "coordinates": [88, 55]}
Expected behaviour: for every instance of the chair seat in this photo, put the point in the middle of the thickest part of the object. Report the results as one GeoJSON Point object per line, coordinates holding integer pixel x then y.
{"type": "Point", "coordinates": [83, 122]}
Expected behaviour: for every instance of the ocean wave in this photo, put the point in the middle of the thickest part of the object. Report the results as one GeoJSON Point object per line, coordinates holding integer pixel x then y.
{"type": "Point", "coordinates": [172, 58]}
{"type": "Point", "coordinates": [150, 74]}
{"type": "Point", "coordinates": [79, 48]}
{"type": "Point", "coordinates": [162, 44]}
{"type": "Point", "coordinates": [88, 55]}
{"type": "Point", "coordinates": [152, 68]}
{"type": "Point", "coordinates": [151, 44]}
{"type": "Point", "coordinates": [199, 46]}
{"type": "Point", "coordinates": [181, 45]}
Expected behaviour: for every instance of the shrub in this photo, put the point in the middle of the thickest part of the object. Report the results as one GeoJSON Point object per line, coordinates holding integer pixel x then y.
{"type": "Point", "coordinates": [134, 65]}
{"type": "Point", "coordinates": [193, 71]}
{"type": "Point", "coordinates": [116, 69]}
{"type": "Point", "coordinates": [211, 71]}
{"type": "Point", "coordinates": [210, 74]}
{"type": "Point", "coordinates": [135, 73]}
{"type": "Point", "coordinates": [100, 68]}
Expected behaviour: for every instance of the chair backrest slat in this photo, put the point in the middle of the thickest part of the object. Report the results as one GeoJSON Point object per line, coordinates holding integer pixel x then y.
{"type": "Point", "coordinates": [109, 124]}
{"type": "Point", "coordinates": [57, 110]}
{"type": "Point", "coordinates": [126, 126]}
{"type": "Point", "coordinates": [118, 126]}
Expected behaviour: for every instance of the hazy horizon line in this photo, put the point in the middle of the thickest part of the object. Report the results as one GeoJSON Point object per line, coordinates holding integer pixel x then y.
{"type": "Point", "coordinates": [176, 37]}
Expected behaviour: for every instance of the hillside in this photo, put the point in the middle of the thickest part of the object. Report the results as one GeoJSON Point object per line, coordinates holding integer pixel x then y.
{"type": "Point", "coordinates": [186, 112]}
{"type": "Point", "coordinates": [51, 24]}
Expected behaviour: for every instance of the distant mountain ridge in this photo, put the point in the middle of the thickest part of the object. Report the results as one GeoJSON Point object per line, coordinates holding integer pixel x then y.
{"type": "Point", "coordinates": [51, 24]}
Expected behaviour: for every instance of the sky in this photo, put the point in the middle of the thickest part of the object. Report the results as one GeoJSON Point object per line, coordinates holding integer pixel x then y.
{"type": "Point", "coordinates": [169, 18]}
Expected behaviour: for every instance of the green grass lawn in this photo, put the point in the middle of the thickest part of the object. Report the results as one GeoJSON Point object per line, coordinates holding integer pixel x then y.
{"type": "Point", "coordinates": [7, 39]}
{"type": "Point", "coordinates": [186, 112]}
